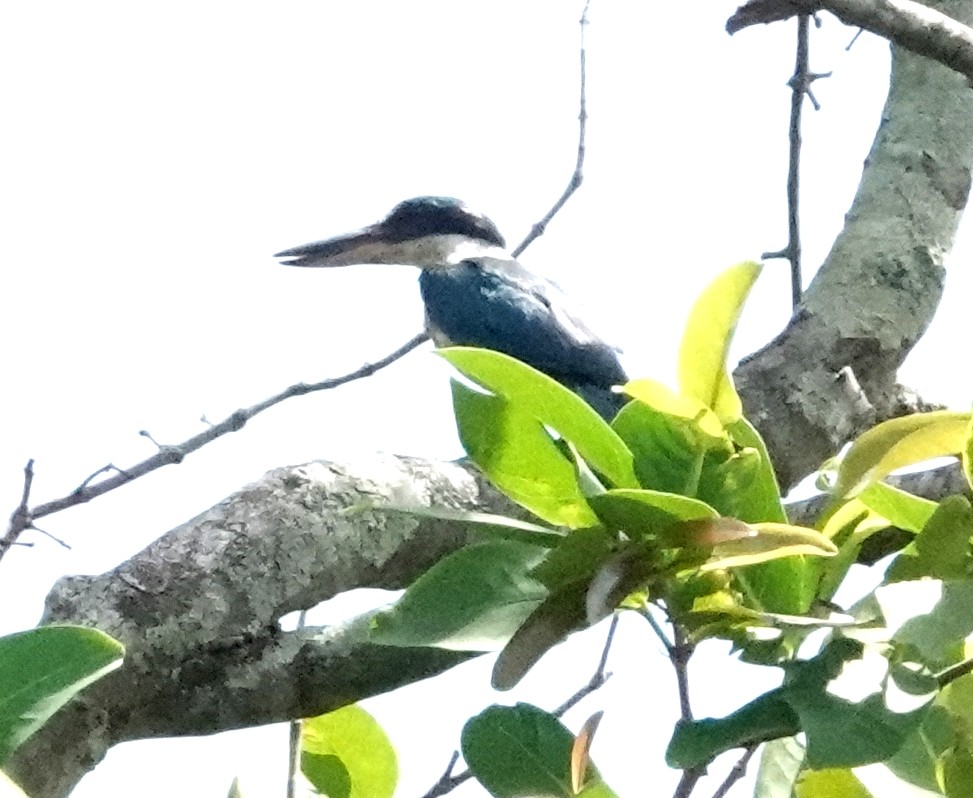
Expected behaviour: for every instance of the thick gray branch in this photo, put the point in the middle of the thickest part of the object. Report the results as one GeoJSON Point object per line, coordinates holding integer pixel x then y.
{"type": "Point", "coordinates": [832, 372]}
{"type": "Point", "coordinates": [198, 609]}
{"type": "Point", "coordinates": [914, 26]}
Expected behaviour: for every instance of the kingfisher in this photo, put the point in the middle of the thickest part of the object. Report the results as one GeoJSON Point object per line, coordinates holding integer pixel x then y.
{"type": "Point", "coordinates": [476, 294]}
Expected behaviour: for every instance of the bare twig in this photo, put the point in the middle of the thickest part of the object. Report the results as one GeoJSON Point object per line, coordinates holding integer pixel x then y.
{"type": "Point", "coordinates": [598, 678]}
{"type": "Point", "coordinates": [679, 655]}
{"type": "Point", "coordinates": [577, 176]}
{"type": "Point", "coordinates": [448, 781]}
{"type": "Point", "coordinates": [688, 781]}
{"type": "Point", "coordinates": [737, 772]}
{"type": "Point", "coordinates": [800, 84]}
{"type": "Point", "coordinates": [24, 517]}
{"type": "Point", "coordinates": [914, 26]}
{"type": "Point", "coordinates": [21, 517]}
{"type": "Point", "coordinates": [294, 737]}
{"type": "Point", "coordinates": [659, 631]}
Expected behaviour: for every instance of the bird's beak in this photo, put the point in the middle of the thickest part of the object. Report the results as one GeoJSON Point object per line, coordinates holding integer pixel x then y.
{"type": "Point", "coordinates": [363, 246]}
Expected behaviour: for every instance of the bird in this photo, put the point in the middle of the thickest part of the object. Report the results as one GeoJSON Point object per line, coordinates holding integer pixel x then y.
{"type": "Point", "coordinates": [476, 294]}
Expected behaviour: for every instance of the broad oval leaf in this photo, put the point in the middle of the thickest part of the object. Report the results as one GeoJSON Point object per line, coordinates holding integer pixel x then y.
{"type": "Point", "coordinates": [546, 400]}
{"type": "Point", "coordinates": [346, 754]}
{"type": "Point", "coordinates": [706, 341]}
{"type": "Point", "coordinates": [897, 443]}
{"type": "Point", "coordinates": [829, 783]}
{"type": "Point", "coordinates": [524, 751]}
{"type": "Point", "coordinates": [898, 507]}
{"type": "Point", "coordinates": [647, 512]}
{"type": "Point", "coordinates": [519, 456]}
{"type": "Point", "coordinates": [662, 398]}
{"type": "Point", "coordinates": [42, 669]}
{"type": "Point", "coordinates": [472, 600]}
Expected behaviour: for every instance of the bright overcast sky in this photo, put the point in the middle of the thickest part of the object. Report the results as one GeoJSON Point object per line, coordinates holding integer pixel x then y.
{"type": "Point", "coordinates": [155, 156]}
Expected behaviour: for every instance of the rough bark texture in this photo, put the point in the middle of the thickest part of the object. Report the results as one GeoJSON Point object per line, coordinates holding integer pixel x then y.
{"type": "Point", "coordinates": [198, 610]}
{"type": "Point", "coordinates": [832, 372]}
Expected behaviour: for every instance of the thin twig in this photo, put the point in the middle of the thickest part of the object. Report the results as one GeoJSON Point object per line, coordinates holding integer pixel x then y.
{"type": "Point", "coordinates": [577, 177]}
{"type": "Point", "coordinates": [737, 772]}
{"type": "Point", "coordinates": [448, 781]}
{"type": "Point", "coordinates": [688, 782]}
{"type": "Point", "coordinates": [294, 738]}
{"type": "Point", "coordinates": [800, 84]}
{"type": "Point", "coordinates": [659, 631]}
{"type": "Point", "coordinates": [679, 655]}
{"type": "Point", "coordinates": [598, 678]}
{"type": "Point", "coordinates": [23, 517]}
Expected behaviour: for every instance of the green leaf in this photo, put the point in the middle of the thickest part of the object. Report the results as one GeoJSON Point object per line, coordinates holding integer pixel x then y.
{"type": "Point", "coordinates": [696, 743]}
{"type": "Point", "coordinates": [897, 443]}
{"type": "Point", "coordinates": [472, 600]}
{"type": "Point", "coordinates": [667, 451]}
{"type": "Point", "coordinates": [550, 403]}
{"type": "Point", "coordinates": [786, 586]}
{"type": "Point", "coordinates": [706, 341]}
{"type": "Point", "coordinates": [917, 761]}
{"type": "Point", "coordinates": [967, 455]}
{"type": "Point", "coordinates": [576, 557]}
{"type": "Point", "coordinates": [780, 764]}
{"type": "Point", "coordinates": [901, 509]}
{"type": "Point", "coordinates": [560, 614]}
{"type": "Point", "coordinates": [938, 635]}
{"type": "Point", "coordinates": [941, 550]}
{"type": "Point", "coordinates": [691, 412]}
{"type": "Point", "coordinates": [346, 754]}
{"type": "Point", "coordinates": [519, 456]}
{"type": "Point", "coordinates": [498, 525]}
{"type": "Point", "coordinates": [523, 751]}
{"type": "Point", "coordinates": [761, 499]}
{"type": "Point", "coordinates": [830, 783]}
{"type": "Point", "coordinates": [840, 733]}
{"type": "Point", "coordinates": [756, 543]}
{"type": "Point", "coordinates": [644, 513]}
{"type": "Point", "coordinates": [41, 670]}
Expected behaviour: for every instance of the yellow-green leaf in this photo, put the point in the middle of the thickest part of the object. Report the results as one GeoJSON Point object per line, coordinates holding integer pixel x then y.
{"type": "Point", "coordinates": [897, 443]}
{"type": "Point", "coordinates": [769, 541]}
{"type": "Point", "coordinates": [346, 754]}
{"type": "Point", "coordinates": [968, 454]}
{"type": "Point", "coordinates": [706, 341]}
{"type": "Point", "coordinates": [830, 783]}
{"type": "Point", "coordinates": [665, 400]}
{"type": "Point", "coordinates": [532, 392]}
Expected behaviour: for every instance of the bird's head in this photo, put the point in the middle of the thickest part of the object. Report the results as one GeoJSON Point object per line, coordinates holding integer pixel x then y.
{"type": "Point", "coordinates": [428, 232]}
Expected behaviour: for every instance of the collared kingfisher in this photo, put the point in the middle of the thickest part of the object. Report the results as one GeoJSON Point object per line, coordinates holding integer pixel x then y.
{"type": "Point", "coordinates": [476, 294]}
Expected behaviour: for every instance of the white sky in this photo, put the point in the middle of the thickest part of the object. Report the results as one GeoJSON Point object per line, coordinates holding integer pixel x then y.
{"type": "Point", "coordinates": [155, 156]}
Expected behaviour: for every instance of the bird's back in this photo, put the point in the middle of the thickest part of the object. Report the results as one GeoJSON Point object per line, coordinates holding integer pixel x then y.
{"type": "Point", "coordinates": [496, 304]}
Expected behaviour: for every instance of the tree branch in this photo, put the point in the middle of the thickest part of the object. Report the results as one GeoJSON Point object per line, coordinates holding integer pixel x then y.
{"type": "Point", "coordinates": [577, 176]}
{"type": "Point", "coordinates": [23, 517]}
{"type": "Point", "coordinates": [198, 609]}
{"type": "Point", "coordinates": [914, 26]}
{"type": "Point", "coordinates": [832, 373]}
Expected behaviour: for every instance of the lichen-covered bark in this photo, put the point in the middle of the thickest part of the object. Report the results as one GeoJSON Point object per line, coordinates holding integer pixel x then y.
{"type": "Point", "coordinates": [832, 372]}
{"type": "Point", "coordinates": [198, 610]}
